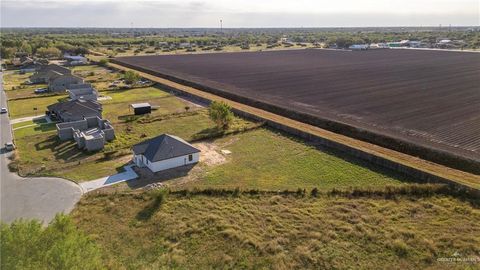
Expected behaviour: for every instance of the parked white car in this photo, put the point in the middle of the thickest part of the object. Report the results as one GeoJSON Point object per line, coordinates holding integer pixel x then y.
{"type": "Point", "coordinates": [3, 110]}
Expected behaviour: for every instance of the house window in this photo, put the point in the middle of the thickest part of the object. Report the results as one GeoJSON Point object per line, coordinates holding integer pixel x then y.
{"type": "Point", "coordinates": [190, 157]}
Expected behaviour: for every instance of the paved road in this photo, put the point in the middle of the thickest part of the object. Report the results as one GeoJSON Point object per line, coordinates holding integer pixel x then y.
{"type": "Point", "coordinates": [39, 197]}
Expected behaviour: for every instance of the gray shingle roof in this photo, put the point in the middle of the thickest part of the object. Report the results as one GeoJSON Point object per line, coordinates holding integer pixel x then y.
{"type": "Point", "coordinates": [140, 105]}
{"type": "Point", "coordinates": [164, 147]}
{"type": "Point", "coordinates": [77, 107]}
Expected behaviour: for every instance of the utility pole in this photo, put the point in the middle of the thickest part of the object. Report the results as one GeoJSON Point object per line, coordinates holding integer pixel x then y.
{"type": "Point", "coordinates": [221, 25]}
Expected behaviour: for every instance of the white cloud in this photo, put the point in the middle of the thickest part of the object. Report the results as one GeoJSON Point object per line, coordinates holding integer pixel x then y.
{"type": "Point", "coordinates": [236, 13]}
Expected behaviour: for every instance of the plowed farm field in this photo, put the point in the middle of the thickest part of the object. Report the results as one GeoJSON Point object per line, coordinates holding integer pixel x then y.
{"type": "Point", "coordinates": [427, 98]}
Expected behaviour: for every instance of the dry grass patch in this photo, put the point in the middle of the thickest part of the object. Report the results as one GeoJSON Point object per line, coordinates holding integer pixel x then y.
{"type": "Point", "coordinates": [279, 231]}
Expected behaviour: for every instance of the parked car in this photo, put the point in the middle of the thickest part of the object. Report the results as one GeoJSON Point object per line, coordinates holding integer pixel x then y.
{"type": "Point", "coordinates": [9, 146]}
{"type": "Point", "coordinates": [3, 110]}
{"type": "Point", "coordinates": [40, 90]}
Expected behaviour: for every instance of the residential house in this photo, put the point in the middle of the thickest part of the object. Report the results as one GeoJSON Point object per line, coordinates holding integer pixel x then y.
{"type": "Point", "coordinates": [398, 44]}
{"type": "Point", "coordinates": [358, 47]}
{"type": "Point", "coordinates": [59, 82]}
{"type": "Point", "coordinates": [164, 152]}
{"type": "Point", "coordinates": [83, 91]}
{"type": "Point", "coordinates": [74, 110]}
{"type": "Point", "coordinates": [30, 67]}
{"type": "Point", "coordinates": [90, 133]}
{"type": "Point", "coordinates": [44, 73]}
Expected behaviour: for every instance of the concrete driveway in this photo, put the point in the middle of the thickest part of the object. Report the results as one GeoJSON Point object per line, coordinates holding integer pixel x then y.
{"type": "Point", "coordinates": [127, 175]}
{"type": "Point", "coordinates": [36, 197]}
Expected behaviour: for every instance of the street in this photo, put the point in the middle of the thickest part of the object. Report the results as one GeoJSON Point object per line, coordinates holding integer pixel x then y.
{"type": "Point", "coordinates": [37, 197]}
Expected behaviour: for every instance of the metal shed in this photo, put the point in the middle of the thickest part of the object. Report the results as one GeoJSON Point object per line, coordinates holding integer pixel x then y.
{"type": "Point", "coordinates": [141, 108]}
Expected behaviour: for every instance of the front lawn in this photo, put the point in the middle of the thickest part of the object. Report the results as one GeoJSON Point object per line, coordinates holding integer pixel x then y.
{"type": "Point", "coordinates": [26, 91]}
{"type": "Point", "coordinates": [135, 94]}
{"type": "Point", "coordinates": [14, 79]}
{"type": "Point", "coordinates": [25, 107]}
{"type": "Point", "coordinates": [265, 159]}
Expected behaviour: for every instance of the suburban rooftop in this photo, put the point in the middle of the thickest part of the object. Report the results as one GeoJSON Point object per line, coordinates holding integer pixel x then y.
{"type": "Point", "coordinates": [163, 147]}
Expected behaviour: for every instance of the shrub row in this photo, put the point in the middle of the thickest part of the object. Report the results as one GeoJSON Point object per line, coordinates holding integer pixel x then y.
{"type": "Point", "coordinates": [388, 192]}
{"type": "Point", "coordinates": [218, 133]}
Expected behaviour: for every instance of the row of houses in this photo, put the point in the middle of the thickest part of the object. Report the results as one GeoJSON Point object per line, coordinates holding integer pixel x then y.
{"type": "Point", "coordinates": [57, 77]}
{"type": "Point", "coordinates": [440, 43]}
{"type": "Point", "coordinates": [26, 63]}
{"type": "Point", "coordinates": [80, 119]}
{"type": "Point", "coordinates": [60, 79]}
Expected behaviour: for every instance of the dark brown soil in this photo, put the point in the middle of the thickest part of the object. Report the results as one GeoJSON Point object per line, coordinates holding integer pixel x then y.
{"type": "Point", "coordinates": [425, 98]}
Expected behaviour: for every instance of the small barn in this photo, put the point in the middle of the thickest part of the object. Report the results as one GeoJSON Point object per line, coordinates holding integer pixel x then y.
{"type": "Point", "coordinates": [141, 108]}
{"type": "Point", "coordinates": [164, 152]}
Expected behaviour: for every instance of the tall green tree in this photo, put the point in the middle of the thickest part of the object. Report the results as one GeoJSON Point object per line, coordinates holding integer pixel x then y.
{"type": "Point", "coordinates": [220, 113]}
{"type": "Point", "coordinates": [7, 53]}
{"type": "Point", "coordinates": [50, 52]}
{"type": "Point", "coordinates": [28, 245]}
{"type": "Point", "coordinates": [131, 77]}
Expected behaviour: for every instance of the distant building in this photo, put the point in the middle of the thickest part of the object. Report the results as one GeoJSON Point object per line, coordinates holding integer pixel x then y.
{"type": "Point", "coordinates": [83, 91]}
{"type": "Point", "coordinates": [90, 133]}
{"type": "Point", "coordinates": [30, 67]}
{"type": "Point", "coordinates": [449, 44]}
{"type": "Point", "coordinates": [415, 44]}
{"type": "Point", "coordinates": [185, 45]}
{"type": "Point", "coordinates": [44, 73]}
{"type": "Point", "coordinates": [358, 47]}
{"type": "Point", "coordinates": [396, 44]}
{"type": "Point", "coordinates": [74, 110]}
{"type": "Point", "coordinates": [164, 152]}
{"type": "Point", "coordinates": [75, 60]}
{"type": "Point", "coordinates": [59, 82]}
{"type": "Point", "coordinates": [378, 46]}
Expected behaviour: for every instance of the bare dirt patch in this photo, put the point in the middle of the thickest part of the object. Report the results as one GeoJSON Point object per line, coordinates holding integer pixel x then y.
{"type": "Point", "coordinates": [211, 153]}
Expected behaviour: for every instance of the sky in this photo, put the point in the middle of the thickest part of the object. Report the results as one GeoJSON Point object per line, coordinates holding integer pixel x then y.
{"type": "Point", "coordinates": [238, 13]}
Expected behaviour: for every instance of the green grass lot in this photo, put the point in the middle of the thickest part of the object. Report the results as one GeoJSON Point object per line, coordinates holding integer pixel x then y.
{"type": "Point", "coordinates": [135, 94]}
{"type": "Point", "coordinates": [101, 77]}
{"type": "Point", "coordinates": [140, 231]}
{"type": "Point", "coordinates": [40, 152]}
{"type": "Point", "coordinates": [27, 91]}
{"type": "Point", "coordinates": [87, 68]}
{"type": "Point", "coordinates": [264, 159]}
{"type": "Point", "coordinates": [21, 132]}
{"type": "Point", "coordinates": [118, 107]}
{"type": "Point", "coordinates": [24, 107]}
{"type": "Point", "coordinates": [14, 79]}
